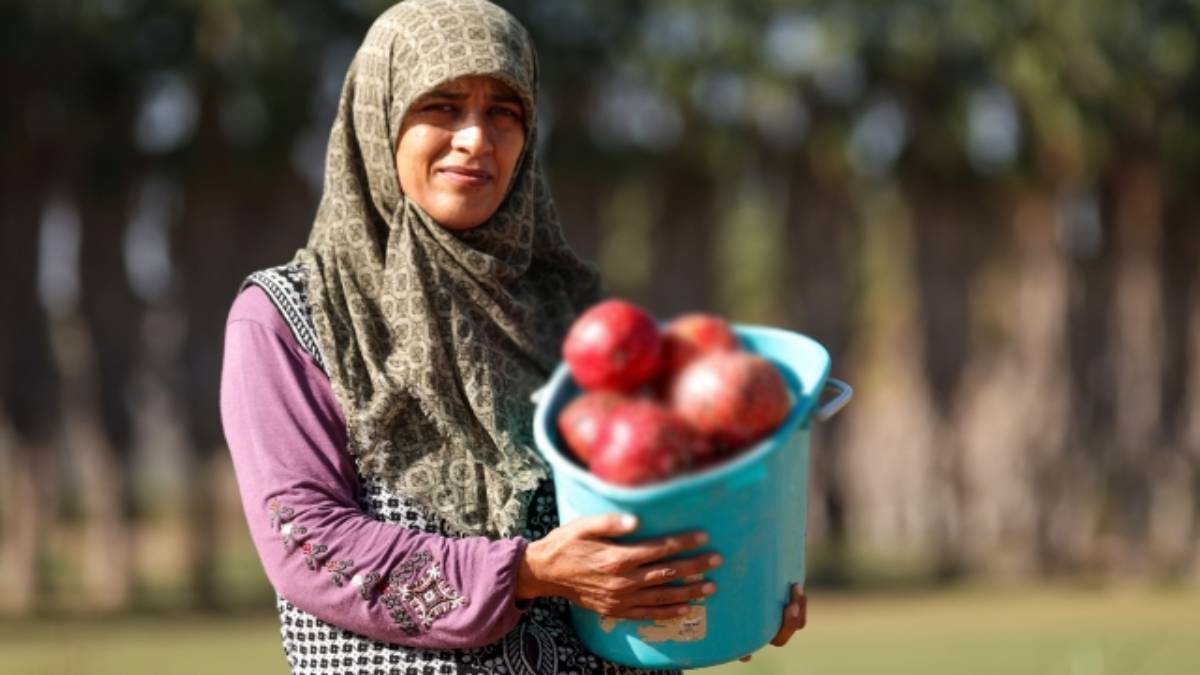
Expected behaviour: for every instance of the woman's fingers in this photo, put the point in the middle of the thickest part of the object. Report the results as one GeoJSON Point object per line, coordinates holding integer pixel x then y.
{"type": "Point", "coordinates": [785, 633]}
{"type": "Point", "coordinates": [651, 613]}
{"type": "Point", "coordinates": [604, 525]}
{"type": "Point", "coordinates": [656, 549]}
{"type": "Point", "coordinates": [669, 595]}
{"type": "Point", "coordinates": [653, 575]}
{"type": "Point", "coordinates": [801, 601]}
{"type": "Point", "coordinates": [795, 615]}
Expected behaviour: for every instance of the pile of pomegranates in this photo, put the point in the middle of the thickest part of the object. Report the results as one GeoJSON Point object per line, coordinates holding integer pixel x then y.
{"type": "Point", "coordinates": [658, 402]}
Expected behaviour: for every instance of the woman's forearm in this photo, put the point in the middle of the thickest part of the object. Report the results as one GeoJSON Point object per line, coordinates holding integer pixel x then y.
{"type": "Point", "coordinates": [385, 581]}
{"type": "Point", "coordinates": [320, 551]}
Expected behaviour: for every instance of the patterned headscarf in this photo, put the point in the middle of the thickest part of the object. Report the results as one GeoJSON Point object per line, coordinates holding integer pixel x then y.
{"type": "Point", "coordinates": [435, 339]}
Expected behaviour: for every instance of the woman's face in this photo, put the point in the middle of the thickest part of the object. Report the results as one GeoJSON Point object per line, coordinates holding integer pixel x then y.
{"type": "Point", "coordinates": [458, 149]}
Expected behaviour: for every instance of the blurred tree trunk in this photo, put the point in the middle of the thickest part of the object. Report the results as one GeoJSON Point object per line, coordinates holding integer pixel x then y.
{"type": "Point", "coordinates": [1138, 319]}
{"type": "Point", "coordinates": [1175, 533]}
{"type": "Point", "coordinates": [943, 226]}
{"type": "Point", "coordinates": [206, 252]}
{"type": "Point", "coordinates": [1138, 347]}
{"type": "Point", "coordinates": [579, 198]}
{"type": "Point", "coordinates": [1073, 490]}
{"type": "Point", "coordinates": [28, 385]}
{"type": "Point", "coordinates": [892, 425]}
{"type": "Point", "coordinates": [1015, 395]}
{"type": "Point", "coordinates": [1190, 425]}
{"type": "Point", "coordinates": [98, 346]}
{"type": "Point", "coordinates": [683, 236]}
{"type": "Point", "coordinates": [821, 237]}
{"type": "Point", "coordinates": [1152, 481]}
{"type": "Point", "coordinates": [107, 563]}
{"type": "Point", "coordinates": [211, 251]}
{"type": "Point", "coordinates": [1180, 278]}
{"type": "Point", "coordinates": [26, 517]}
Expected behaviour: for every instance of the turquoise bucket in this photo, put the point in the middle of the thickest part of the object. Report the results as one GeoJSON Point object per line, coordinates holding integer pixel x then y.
{"type": "Point", "coordinates": [753, 508]}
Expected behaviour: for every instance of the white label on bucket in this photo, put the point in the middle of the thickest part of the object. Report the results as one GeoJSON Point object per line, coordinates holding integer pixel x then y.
{"type": "Point", "coordinates": [690, 627]}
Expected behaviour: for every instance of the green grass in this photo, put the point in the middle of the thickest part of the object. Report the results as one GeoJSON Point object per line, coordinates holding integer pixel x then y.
{"type": "Point", "coordinates": [1044, 631]}
{"type": "Point", "coordinates": [983, 632]}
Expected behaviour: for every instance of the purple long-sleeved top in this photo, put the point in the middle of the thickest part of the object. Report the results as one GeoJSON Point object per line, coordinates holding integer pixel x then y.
{"type": "Point", "coordinates": [287, 436]}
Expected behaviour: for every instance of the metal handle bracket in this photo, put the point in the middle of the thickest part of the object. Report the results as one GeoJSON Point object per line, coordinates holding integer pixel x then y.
{"type": "Point", "coordinates": [834, 405]}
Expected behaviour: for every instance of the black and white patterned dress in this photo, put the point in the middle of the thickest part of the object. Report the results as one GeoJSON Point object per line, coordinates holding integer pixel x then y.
{"type": "Point", "coordinates": [543, 642]}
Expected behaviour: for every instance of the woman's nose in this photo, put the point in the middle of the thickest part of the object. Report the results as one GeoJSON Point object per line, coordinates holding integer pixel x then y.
{"type": "Point", "coordinates": [473, 135]}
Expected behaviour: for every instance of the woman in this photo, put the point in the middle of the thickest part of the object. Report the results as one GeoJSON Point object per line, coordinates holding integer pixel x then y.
{"type": "Point", "coordinates": [375, 391]}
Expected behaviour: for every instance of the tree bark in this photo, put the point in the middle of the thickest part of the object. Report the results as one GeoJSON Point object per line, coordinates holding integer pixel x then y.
{"type": "Point", "coordinates": [27, 513]}
{"type": "Point", "coordinates": [1175, 523]}
{"type": "Point", "coordinates": [892, 425]}
{"type": "Point", "coordinates": [29, 386]}
{"type": "Point", "coordinates": [683, 241]}
{"type": "Point", "coordinates": [821, 234]}
{"type": "Point", "coordinates": [107, 562]}
{"type": "Point", "coordinates": [1138, 346]}
{"type": "Point", "coordinates": [1015, 399]}
{"type": "Point", "coordinates": [1190, 436]}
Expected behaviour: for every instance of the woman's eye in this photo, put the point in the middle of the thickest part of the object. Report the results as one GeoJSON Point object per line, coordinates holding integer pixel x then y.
{"type": "Point", "coordinates": [438, 107]}
{"type": "Point", "coordinates": [506, 112]}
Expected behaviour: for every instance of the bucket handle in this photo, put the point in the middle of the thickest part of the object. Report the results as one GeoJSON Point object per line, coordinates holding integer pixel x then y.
{"type": "Point", "coordinates": [832, 407]}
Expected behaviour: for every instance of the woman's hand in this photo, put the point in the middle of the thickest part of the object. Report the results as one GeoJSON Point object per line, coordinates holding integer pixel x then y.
{"type": "Point", "coordinates": [795, 615]}
{"type": "Point", "coordinates": [626, 581]}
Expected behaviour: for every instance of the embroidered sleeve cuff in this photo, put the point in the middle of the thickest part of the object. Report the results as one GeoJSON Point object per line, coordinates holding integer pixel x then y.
{"type": "Point", "coordinates": [442, 593]}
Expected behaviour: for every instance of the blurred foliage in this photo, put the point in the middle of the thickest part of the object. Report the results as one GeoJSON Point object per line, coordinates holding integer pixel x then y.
{"type": "Point", "coordinates": [835, 87]}
{"type": "Point", "coordinates": [966, 94]}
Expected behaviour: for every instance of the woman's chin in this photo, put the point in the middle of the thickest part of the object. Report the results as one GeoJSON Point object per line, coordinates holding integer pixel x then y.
{"type": "Point", "coordinates": [461, 219]}
{"type": "Point", "coordinates": [462, 212]}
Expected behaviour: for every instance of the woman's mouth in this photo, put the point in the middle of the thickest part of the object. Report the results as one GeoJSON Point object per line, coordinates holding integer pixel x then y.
{"type": "Point", "coordinates": [464, 176]}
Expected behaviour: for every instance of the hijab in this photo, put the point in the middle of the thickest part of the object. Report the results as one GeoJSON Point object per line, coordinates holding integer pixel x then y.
{"type": "Point", "coordinates": [433, 339]}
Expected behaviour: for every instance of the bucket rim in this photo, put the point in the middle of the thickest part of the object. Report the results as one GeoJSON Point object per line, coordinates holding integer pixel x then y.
{"type": "Point", "coordinates": [798, 416]}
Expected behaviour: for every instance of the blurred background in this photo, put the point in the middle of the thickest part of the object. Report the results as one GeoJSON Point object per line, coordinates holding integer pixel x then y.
{"type": "Point", "coordinates": [987, 211]}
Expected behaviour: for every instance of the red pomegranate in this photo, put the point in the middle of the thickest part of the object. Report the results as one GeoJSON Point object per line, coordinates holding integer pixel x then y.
{"type": "Point", "coordinates": [699, 449]}
{"type": "Point", "coordinates": [582, 420]}
{"type": "Point", "coordinates": [613, 346]}
{"type": "Point", "coordinates": [690, 336]}
{"type": "Point", "coordinates": [643, 442]}
{"type": "Point", "coordinates": [734, 398]}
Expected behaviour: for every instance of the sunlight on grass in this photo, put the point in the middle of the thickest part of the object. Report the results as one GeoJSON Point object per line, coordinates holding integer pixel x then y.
{"type": "Point", "coordinates": [981, 632]}
{"type": "Point", "coordinates": [958, 632]}
{"type": "Point", "coordinates": [143, 646]}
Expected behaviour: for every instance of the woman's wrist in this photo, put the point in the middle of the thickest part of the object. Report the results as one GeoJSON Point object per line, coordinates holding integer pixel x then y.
{"type": "Point", "coordinates": [530, 581]}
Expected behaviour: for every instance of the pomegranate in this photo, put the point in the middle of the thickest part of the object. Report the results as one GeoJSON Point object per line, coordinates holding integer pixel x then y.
{"type": "Point", "coordinates": [734, 398]}
{"type": "Point", "coordinates": [690, 336]}
{"type": "Point", "coordinates": [613, 346]}
{"type": "Point", "coordinates": [643, 442]}
{"type": "Point", "coordinates": [699, 450]}
{"type": "Point", "coordinates": [582, 420]}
